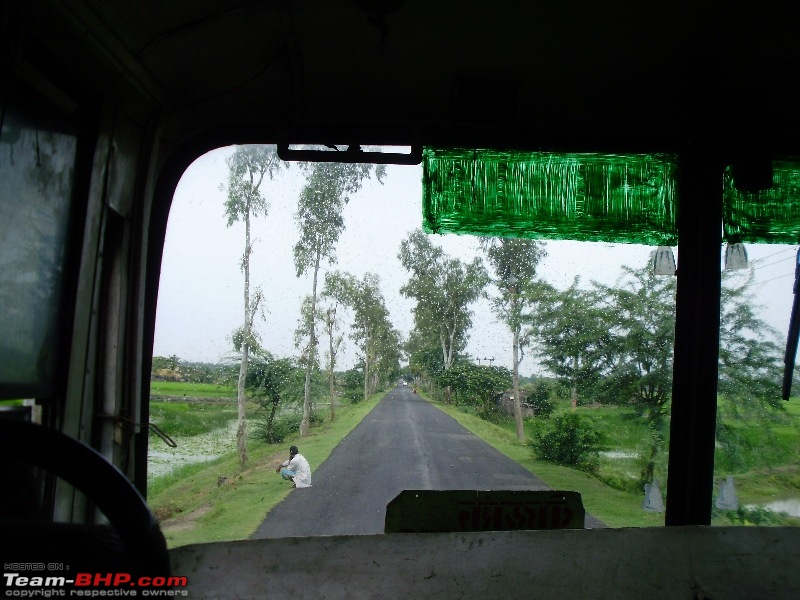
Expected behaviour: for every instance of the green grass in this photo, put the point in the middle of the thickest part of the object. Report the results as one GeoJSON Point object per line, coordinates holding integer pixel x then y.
{"type": "Point", "coordinates": [615, 508]}
{"type": "Point", "coordinates": [621, 427]}
{"type": "Point", "coordinates": [760, 442]}
{"type": "Point", "coordinates": [768, 462]}
{"type": "Point", "coordinates": [191, 390]}
{"type": "Point", "coordinates": [208, 512]}
{"type": "Point", "coordinates": [624, 433]}
{"type": "Point", "coordinates": [768, 485]}
{"type": "Point", "coordinates": [175, 478]}
{"type": "Point", "coordinates": [190, 418]}
{"type": "Point", "coordinates": [204, 511]}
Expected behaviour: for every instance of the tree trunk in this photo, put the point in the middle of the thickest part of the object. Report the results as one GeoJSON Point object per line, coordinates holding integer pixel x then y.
{"type": "Point", "coordinates": [649, 468]}
{"type": "Point", "coordinates": [241, 429]}
{"type": "Point", "coordinates": [517, 403]}
{"type": "Point", "coordinates": [331, 376]}
{"type": "Point", "coordinates": [447, 358]}
{"type": "Point", "coordinates": [656, 442]}
{"type": "Point", "coordinates": [312, 351]}
{"type": "Point", "coordinates": [366, 364]}
{"type": "Point", "coordinates": [573, 392]}
{"type": "Point", "coordinates": [271, 420]}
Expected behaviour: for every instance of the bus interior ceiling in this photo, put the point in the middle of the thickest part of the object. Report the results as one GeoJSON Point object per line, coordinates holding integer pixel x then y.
{"type": "Point", "coordinates": [143, 88]}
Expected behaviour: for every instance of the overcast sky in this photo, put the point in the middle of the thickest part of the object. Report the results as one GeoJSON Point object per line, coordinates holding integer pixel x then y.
{"type": "Point", "coordinates": [201, 298]}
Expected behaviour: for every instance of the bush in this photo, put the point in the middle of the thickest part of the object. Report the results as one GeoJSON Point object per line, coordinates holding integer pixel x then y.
{"type": "Point", "coordinates": [538, 397]}
{"type": "Point", "coordinates": [491, 413]}
{"type": "Point", "coordinates": [283, 427]}
{"type": "Point", "coordinates": [622, 483]}
{"type": "Point", "coordinates": [570, 440]}
{"type": "Point", "coordinates": [353, 395]}
{"type": "Point", "coordinates": [751, 516]}
{"type": "Point", "coordinates": [353, 383]}
{"type": "Point", "coordinates": [467, 409]}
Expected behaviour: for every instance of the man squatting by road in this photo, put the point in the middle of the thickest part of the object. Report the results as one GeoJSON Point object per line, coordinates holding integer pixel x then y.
{"type": "Point", "coordinates": [296, 469]}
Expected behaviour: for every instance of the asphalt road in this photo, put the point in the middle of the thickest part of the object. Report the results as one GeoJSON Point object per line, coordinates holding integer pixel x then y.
{"type": "Point", "coordinates": [403, 443]}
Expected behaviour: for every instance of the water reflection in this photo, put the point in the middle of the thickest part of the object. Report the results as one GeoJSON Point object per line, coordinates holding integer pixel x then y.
{"type": "Point", "coordinates": [790, 507]}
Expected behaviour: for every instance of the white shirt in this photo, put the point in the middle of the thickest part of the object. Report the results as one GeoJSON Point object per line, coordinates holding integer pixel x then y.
{"type": "Point", "coordinates": [301, 468]}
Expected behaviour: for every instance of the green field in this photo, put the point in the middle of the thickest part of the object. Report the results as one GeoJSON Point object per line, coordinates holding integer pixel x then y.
{"type": "Point", "coordinates": [191, 390]}
{"type": "Point", "coordinates": [191, 418]}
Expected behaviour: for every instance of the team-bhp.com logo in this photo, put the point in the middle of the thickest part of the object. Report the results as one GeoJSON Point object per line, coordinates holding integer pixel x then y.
{"type": "Point", "coordinates": [24, 582]}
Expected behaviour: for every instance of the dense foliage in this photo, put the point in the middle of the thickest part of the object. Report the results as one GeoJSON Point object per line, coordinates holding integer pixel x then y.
{"type": "Point", "coordinates": [569, 439]}
{"type": "Point", "coordinates": [443, 289]}
{"type": "Point", "coordinates": [476, 384]}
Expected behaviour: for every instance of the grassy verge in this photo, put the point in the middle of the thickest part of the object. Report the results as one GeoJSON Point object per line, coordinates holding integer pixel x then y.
{"type": "Point", "coordinates": [613, 507]}
{"type": "Point", "coordinates": [623, 509]}
{"type": "Point", "coordinates": [219, 501]}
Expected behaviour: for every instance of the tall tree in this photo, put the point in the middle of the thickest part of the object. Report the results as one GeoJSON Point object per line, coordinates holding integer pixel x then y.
{"type": "Point", "coordinates": [750, 361]}
{"type": "Point", "coordinates": [750, 370]}
{"type": "Point", "coordinates": [320, 220]}
{"type": "Point", "coordinates": [641, 323]}
{"type": "Point", "coordinates": [643, 332]}
{"type": "Point", "coordinates": [514, 262]}
{"type": "Point", "coordinates": [372, 329]}
{"type": "Point", "coordinates": [443, 288]}
{"type": "Point", "coordinates": [302, 334]}
{"type": "Point", "coordinates": [573, 338]}
{"type": "Point", "coordinates": [248, 167]}
{"type": "Point", "coordinates": [615, 344]}
{"type": "Point", "coordinates": [387, 355]}
{"type": "Point", "coordinates": [424, 357]}
{"type": "Point", "coordinates": [335, 294]}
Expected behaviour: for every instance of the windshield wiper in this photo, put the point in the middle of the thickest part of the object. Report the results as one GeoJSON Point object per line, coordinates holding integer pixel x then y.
{"type": "Point", "coordinates": [794, 332]}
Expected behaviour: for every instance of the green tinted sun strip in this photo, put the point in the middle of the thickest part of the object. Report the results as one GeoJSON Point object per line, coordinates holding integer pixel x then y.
{"type": "Point", "coordinates": [540, 195]}
{"type": "Point", "coordinates": [771, 216]}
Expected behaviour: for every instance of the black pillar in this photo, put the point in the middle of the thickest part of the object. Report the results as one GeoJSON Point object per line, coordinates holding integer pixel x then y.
{"type": "Point", "coordinates": [690, 478]}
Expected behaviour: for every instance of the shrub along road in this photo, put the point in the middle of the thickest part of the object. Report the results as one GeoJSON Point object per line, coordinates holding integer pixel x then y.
{"type": "Point", "coordinates": [403, 443]}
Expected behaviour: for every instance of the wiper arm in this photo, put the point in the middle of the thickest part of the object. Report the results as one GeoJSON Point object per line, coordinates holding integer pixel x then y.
{"type": "Point", "coordinates": [794, 332]}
